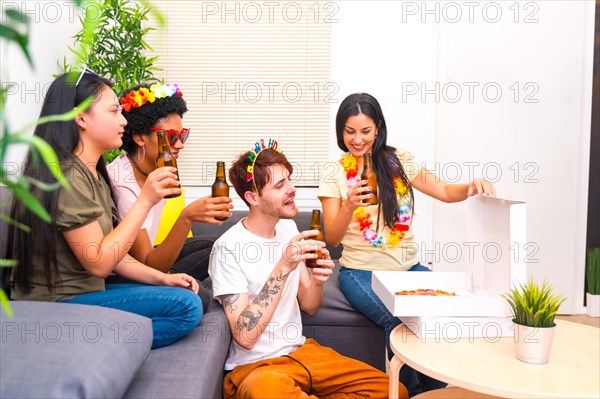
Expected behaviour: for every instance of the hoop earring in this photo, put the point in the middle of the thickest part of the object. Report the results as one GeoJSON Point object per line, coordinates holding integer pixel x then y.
{"type": "Point", "coordinates": [143, 156]}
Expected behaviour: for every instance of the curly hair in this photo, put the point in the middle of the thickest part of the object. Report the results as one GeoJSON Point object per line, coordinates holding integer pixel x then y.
{"type": "Point", "coordinates": [140, 120]}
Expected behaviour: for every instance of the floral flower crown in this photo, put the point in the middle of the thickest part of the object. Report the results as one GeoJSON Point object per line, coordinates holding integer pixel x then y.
{"type": "Point", "coordinates": [259, 146]}
{"type": "Point", "coordinates": [137, 98]}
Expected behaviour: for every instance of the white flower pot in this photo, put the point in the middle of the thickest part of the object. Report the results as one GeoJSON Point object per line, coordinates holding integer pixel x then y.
{"type": "Point", "coordinates": [592, 305]}
{"type": "Point", "coordinates": [533, 344]}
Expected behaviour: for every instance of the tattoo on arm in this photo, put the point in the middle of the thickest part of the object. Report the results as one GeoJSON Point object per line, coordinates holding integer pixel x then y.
{"type": "Point", "coordinates": [248, 319]}
{"type": "Point", "coordinates": [270, 289]}
{"type": "Point", "coordinates": [229, 302]}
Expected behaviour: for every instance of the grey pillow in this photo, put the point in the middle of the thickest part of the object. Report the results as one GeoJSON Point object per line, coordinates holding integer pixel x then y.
{"type": "Point", "coordinates": [59, 350]}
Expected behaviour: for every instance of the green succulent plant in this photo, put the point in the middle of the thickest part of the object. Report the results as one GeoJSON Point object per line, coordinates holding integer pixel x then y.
{"type": "Point", "coordinates": [532, 305]}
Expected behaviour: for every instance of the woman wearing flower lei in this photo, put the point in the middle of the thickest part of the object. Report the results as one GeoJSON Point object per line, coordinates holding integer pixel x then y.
{"type": "Point", "coordinates": [147, 110]}
{"type": "Point", "coordinates": [378, 237]}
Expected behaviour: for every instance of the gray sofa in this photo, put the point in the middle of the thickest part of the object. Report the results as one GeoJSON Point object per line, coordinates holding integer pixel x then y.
{"type": "Point", "coordinates": [76, 351]}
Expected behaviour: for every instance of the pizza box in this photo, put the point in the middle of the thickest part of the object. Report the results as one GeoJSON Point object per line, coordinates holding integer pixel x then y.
{"type": "Point", "coordinates": [491, 223]}
{"type": "Point", "coordinates": [468, 301]}
{"type": "Point", "coordinates": [453, 328]}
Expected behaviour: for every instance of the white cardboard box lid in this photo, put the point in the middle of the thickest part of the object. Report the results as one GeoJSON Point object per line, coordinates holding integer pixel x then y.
{"type": "Point", "coordinates": [497, 227]}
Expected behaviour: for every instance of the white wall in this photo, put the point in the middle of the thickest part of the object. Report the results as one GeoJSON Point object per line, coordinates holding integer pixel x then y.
{"type": "Point", "coordinates": [542, 147]}
{"type": "Point", "coordinates": [536, 146]}
{"type": "Point", "coordinates": [391, 48]}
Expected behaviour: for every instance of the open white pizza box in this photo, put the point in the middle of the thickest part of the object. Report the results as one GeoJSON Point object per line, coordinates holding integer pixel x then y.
{"type": "Point", "coordinates": [477, 308]}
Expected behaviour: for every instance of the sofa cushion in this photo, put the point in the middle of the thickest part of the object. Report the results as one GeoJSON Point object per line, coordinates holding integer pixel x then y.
{"type": "Point", "coordinates": [60, 350]}
{"type": "Point", "coordinates": [335, 309]}
{"type": "Point", "coordinates": [191, 367]}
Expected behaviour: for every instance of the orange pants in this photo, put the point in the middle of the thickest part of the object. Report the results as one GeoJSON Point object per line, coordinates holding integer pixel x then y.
{"type": "Point", "coordinates": [333, 376]}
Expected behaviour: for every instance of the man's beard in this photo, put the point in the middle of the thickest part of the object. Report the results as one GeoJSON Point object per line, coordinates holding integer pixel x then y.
{"type": "Point", "coordinates": [280, 212]}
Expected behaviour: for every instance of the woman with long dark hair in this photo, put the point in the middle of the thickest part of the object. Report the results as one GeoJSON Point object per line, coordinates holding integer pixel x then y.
{"type": "Point", "coordinates": [378, 237]}
{"type": "Point", "coordinates": [67, 260]}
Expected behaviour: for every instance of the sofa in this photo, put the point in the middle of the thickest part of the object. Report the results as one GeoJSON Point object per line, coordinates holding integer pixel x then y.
{"type": "Point", "coordinates": [56, 350]}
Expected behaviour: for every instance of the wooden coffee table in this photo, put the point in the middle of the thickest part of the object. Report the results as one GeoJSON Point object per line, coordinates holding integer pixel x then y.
{"type": "Point", "coordinates": [490, 366]}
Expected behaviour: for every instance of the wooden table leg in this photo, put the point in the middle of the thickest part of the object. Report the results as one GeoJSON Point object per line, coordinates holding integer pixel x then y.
{"type": "Point", "coordinates": [395, 365]}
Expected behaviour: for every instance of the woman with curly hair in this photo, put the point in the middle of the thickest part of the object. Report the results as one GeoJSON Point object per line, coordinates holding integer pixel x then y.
{"type": "Point", "coordinates": [147, 110]}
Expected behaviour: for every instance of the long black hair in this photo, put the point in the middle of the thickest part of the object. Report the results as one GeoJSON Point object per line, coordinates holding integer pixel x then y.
{"type": "Point", "coordinates": [39, 245]}
{"type": "Point", "coordinates": [386, 164]}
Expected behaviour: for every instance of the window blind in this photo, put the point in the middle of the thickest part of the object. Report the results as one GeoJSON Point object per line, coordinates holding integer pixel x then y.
{"type": "Point", "coordinates": [249, 70]}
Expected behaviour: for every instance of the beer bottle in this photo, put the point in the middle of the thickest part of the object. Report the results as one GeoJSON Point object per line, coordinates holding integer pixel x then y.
{"type": "Point", "coordinates": [220, 188]}
{"type": "Point", "coordinates": [165, 158]}
{"type": "Point", "coordinates": [369, 174]}
{"type": "Point", "coordinates": [315, 224]}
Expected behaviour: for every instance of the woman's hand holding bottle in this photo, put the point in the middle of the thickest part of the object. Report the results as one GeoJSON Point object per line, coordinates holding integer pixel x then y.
{"type": "Point", "coordinates": [159, 184]}
{"type": "Point", "coordinates": [357, 194]}
{"type": "Point", "coordinates": [208, 210]}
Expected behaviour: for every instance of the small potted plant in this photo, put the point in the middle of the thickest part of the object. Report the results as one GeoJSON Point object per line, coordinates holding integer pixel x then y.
{"type": "Point", "coordinates": [592, 273]}
{"type": "Point", "coordinates": [534, 309]}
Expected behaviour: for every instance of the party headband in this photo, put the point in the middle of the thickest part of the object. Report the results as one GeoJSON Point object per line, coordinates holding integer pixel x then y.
{"type": "Point", "coordinates": [137, 98]}
{"type": "Point", "coordinates": [259, 147]}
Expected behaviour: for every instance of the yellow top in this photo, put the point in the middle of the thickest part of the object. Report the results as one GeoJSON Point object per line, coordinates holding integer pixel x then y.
{"type": "Point", "coordinates": [170, 213]}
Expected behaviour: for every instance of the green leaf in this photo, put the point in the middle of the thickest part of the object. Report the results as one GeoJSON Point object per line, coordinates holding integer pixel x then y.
{"type": "Point", "coordinates": [47, 153]}
{"type": "Point", "coordinates": [5, 303]}
{"type": "Point", "coordinates": [22, 40]}
{"type": "Point", "coordinates": [45, 186]}
{"type": "Point", "coordinates": [21, 192]}
{"type": "Point", "coordinates": [15, 223]}
{"type": "Point", "coordinates": [109, 156]}
{"type": "Point", "coordinates": [16, 15]}
{"type": "Point", "coordinates": [8, 262]}
{"type": "Point", "coordinates": [67, 116]}
{"type": "Point", "coordinates": [592, 270]}
{"type": "Point", "coordinates": [159, 17]}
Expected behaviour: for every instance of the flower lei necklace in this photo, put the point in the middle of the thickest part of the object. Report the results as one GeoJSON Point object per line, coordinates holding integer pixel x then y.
{"type": "Point", "coordinates": [362, 217]}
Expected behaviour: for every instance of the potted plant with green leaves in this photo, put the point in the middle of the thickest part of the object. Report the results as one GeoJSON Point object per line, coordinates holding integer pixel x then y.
{"type": "Point", "coordinates": [534, 308]}
{"type": "Point", "coordinates": [592, 274]}
{"type": "Point", "coordinates": [117, 50]}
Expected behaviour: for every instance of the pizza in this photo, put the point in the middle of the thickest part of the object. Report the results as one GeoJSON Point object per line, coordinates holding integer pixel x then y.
{"type": "Point", "coordinates": [426, 292]}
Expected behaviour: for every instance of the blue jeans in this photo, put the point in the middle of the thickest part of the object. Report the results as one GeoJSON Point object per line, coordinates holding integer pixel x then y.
{"type": "Point", "coordinates": [356, 286]}
{"type": "Point", "coordinates": [174, 311]}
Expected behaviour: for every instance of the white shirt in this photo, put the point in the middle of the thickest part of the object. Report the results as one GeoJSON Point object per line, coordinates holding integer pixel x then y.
{"type": "Point", "coordinates": [240, 263]}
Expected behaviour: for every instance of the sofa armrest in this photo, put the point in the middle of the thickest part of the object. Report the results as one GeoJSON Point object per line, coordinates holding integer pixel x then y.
{"type": "Point", "coordinates": [62, 350]}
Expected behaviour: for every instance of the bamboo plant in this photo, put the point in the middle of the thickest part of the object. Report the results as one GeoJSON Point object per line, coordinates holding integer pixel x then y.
{"type": "Point", "coordinates": [117, 49]}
